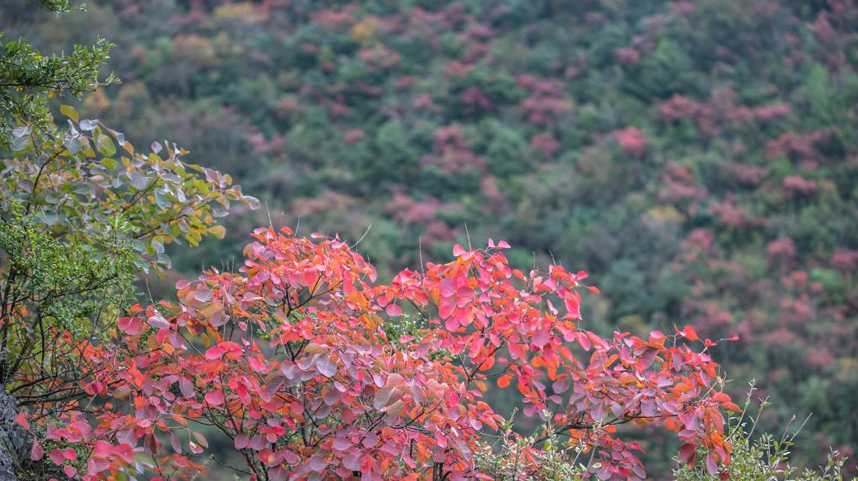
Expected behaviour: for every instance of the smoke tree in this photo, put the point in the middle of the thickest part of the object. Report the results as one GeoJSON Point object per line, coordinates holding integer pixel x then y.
{"type": "Point", "coordinates": [314, 370]}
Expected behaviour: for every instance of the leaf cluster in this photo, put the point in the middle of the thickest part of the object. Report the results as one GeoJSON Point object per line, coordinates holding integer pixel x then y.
{"type": "Point", "coordinates": [760, 456]}
{"type": "Point", "coordinates": [29, 78]}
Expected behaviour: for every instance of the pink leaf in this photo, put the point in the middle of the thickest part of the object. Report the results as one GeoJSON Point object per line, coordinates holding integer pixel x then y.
{"type": "Point", "coordinates": [448, 289]}
{"type": "Point", "coordinates": [215, 398]}
{"type": "Point", "coordinates": [158, 322]}
{"type": "Point", "coordinates": [326, 367]}
{"type": "Point", "coordinates": [56, 456]}
{"type": "Point", "coordinates": [382, 397]}
{"type": "Point", "coordinates": [541, 338]}
{"type": "Point", "coordinates": [290, 457]}
{"type": "Point", "coordinates": [341, 444]}
{"type": "Point", "coordinates": [278, 474]}
{"type": "Point", "coordinates": [584, 341]}
{"type": "Point", "coordinates": [352, 461]}
{"type": "Point", "coordinates": [196, 449]}
{"type": "Point", "coordinates": [187, 388]}
{"type": "Point", "coordinates": [125, 452]}
{"type": "Point", "coordinates": [201, 439]}
{"type": "Point", "coordinates": [102, 450]}
{"type": "Point", "coordinates": [711, 465]}
{"type": "Point", "coordinates": [393, 310]}
{"type": "Point", "coordinates": [36, 451]}
{"type": "Point", "coordinates": [258, 365]}
{"type": "Point", "coordinates": [21, 420]}
{"type": "Point", "coordinates": [214, 352]}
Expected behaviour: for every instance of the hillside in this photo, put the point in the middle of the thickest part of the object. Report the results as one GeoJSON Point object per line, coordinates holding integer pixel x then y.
{"type": "Point", "coordinates": [698, 158]}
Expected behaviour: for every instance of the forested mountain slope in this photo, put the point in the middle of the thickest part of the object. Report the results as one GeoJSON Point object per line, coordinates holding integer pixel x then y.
{"type": "Point", "coordinates": [699, 158]}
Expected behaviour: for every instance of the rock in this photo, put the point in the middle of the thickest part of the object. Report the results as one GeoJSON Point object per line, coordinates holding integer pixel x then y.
{"type": "Point", "coordinates": [14, 441]}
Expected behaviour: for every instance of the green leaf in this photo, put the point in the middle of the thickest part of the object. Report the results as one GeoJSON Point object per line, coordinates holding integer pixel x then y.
{"type": "Point", "coordinates": [104, 144]}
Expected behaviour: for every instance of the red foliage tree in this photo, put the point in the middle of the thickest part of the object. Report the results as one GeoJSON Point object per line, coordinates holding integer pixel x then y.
{"type": "Point", "coordinates": [302, 360]}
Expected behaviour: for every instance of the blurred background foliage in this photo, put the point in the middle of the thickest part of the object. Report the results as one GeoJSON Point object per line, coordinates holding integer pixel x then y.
{"type": "Point", "coordinates": [699, 158]}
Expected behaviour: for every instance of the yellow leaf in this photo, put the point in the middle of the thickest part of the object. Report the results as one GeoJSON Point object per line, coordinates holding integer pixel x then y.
{"type": "Point", "coordinates": [218, 231]}
{"type": "Point", "coordinates": [69, 112]}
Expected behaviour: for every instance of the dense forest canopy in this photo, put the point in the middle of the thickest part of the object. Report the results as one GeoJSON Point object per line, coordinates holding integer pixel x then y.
{"type": "Point", "coordinates": [698, 158]}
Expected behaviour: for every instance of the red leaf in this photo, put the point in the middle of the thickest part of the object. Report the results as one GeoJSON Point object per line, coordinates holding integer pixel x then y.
{"type": "Point", "coordinates": [721, 397]}
{"type": "Point", "coordinates": [336, 361]}
{"type": "Point", "coordinates": [475, 347]}
{"type": "Point", "coordinates": [488, 363]}
{"type": "Point", "coordinates": [217, 351]}
{"type": "Point", "coordinates": [133, 326]}
{"type": "Point", "coordinates": [690, 334]}
{"type": "Point", "coordinates": [687, 454]}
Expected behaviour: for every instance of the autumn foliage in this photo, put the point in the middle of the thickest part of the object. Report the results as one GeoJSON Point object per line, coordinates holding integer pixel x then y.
{"type": "Point", "coordinates": [314, 370]}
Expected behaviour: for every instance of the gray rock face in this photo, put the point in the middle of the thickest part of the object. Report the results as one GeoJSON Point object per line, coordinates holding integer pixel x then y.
{"type": "Point", "coordinates": [14, 441]}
